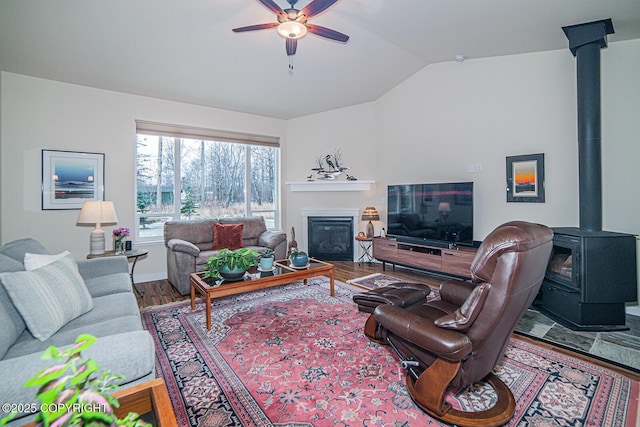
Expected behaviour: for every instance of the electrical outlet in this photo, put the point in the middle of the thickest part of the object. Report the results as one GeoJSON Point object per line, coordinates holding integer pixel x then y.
{"type": "Point", "coordinates": [474, 167]}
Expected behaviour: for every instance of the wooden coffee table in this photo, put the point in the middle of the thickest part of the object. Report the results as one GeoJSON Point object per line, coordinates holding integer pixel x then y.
{"type": "Point", "coordinates": [254, 280]}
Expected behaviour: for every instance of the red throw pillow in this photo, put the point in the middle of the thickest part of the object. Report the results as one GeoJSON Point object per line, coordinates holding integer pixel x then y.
{"type": "Point", "coordinates": [227, 236]}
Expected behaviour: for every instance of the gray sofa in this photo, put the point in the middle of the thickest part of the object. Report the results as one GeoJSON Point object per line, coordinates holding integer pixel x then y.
{"type": "Point", "coordinates": [123, 346]}
{"type": "Point", "coordinates": [189, 244]}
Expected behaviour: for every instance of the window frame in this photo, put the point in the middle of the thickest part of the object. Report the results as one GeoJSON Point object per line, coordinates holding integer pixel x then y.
{"type": "Point", "coordinates": [179, 132]}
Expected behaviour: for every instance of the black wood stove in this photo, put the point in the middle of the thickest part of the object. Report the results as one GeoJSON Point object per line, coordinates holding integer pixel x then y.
{"type": "Point", "coordinates": [590, 277]}
{"type": "Point", "coordinates": [591, 273]}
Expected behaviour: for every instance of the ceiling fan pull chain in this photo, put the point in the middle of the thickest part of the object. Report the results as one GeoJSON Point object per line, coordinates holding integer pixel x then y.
{"type": "Point", "coordinates": [291, 63]}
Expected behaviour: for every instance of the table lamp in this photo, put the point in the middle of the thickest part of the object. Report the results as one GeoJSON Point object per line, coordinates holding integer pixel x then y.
{"type": "Point", "coordinates": [370, 214]}
{"type": "Point", "coordinates": [97, 212]}
{"type": "Point", "coordinates": [445, 209]}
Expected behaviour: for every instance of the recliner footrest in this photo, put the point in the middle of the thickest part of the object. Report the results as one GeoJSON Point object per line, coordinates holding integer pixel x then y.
{"type": "Point", "coordinates": [399, 294]}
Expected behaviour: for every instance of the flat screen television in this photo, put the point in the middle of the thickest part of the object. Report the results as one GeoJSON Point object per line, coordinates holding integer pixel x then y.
{"type": "Point", "coordinates": [435, 213]}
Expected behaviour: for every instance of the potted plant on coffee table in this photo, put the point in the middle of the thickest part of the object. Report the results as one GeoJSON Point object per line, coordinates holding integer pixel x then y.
{"type": "Point", "coordinates": [298, 258]}
{"type": "Point", "coordinates": [230, 265]}
{"type": "Point", "coordinates": [266, 260]}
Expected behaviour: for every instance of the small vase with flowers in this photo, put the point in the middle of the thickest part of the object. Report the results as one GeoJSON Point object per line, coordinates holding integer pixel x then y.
{"type": "Point", "coordinates": [119, 236]}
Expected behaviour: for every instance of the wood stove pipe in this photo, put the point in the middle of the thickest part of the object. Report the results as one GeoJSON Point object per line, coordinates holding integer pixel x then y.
{"type": "Point", "coordinates": [585, 42]}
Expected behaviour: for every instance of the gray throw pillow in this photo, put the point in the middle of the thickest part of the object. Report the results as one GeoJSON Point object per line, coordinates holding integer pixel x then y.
{"type": "Point", "coordinates": [48, 297]}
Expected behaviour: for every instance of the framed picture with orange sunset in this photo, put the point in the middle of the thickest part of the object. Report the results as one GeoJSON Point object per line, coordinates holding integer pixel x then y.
{"type": "Point", "coordinates": [525, 178]}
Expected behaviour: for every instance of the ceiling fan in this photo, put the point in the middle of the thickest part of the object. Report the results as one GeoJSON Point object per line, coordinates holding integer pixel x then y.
{"type": "Point", "coordinates": [292, 23]}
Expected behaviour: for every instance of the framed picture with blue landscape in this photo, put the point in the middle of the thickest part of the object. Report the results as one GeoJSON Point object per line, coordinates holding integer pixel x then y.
{"type": "Point", "coordinates": [525, 178]}
{"type": "Point", "coordinates": [70, 178]}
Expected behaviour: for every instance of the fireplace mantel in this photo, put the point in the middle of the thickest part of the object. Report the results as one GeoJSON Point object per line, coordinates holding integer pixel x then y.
{"type": "Point", "coordinates": [359, 185]}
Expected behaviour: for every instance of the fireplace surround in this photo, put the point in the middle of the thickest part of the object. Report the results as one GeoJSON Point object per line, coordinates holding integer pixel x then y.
{"type": "Point", "coordinates": [353, 214]}
{"type": "Point", "coordinates": [331, 238]}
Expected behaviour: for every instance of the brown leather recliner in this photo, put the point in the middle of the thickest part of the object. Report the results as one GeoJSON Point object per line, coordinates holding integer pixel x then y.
{"type": "Point", "coordinates": [459, 339]}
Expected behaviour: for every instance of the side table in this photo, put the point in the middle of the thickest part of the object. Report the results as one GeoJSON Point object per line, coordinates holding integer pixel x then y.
{"type": "Point", "coordinates": [365, 244]}
{"type": "Point", "coordinates": [133, 254]}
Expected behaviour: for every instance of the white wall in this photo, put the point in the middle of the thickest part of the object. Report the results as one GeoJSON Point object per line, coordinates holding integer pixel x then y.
{"type": "Point", "coordinates": [621, 136]}
{"type": "Point", "coordinates": [453, 114]}
{"type": "Point", "coordinates": [427, 129]}
{"type": "Point", "coordinates": [348, 129]}
{"type": "Point", "coordinates": [1, 158]}
{"type": "Point", "coordinates": [42, 114]}
{"type": "Point", "coordinates": [449, 115]}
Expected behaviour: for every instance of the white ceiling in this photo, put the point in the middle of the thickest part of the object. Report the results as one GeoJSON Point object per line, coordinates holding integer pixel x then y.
{"type": "Point", "coordinates": [184, 50]}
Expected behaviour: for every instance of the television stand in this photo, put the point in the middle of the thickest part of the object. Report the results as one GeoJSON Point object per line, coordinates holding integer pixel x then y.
{"type": "Point", "coordinates": [424, 242]}
{"type": "Point", "coordinates": [453, 262]}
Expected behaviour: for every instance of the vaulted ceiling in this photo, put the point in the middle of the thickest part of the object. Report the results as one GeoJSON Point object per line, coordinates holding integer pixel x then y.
{"type": "Point", "coordinates": [185, 50]}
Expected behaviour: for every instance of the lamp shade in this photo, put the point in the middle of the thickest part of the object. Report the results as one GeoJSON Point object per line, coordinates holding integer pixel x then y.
{"type": "Point", "coordinates": [370, 214]}
{"type": "Point", "coordinates": [97, 212]}
{"type": "Point", "coordinates": [444, 207]}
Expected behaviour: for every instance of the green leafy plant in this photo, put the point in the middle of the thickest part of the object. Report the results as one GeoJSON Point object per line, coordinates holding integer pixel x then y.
{"type": "Point", "coordinates": [242, 258]}
{"type": "Point", "coordinates": [268, 253]}
{"type": "Point", "coordinates": [70, 395]}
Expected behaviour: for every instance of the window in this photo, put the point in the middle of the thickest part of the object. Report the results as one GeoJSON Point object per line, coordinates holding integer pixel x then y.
{"type": "Point", "coordinates": [187, 173]}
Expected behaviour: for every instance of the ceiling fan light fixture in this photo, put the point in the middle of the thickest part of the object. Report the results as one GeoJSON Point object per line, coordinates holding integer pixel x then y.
{"type": "Point", "coordinates": [292, 29]}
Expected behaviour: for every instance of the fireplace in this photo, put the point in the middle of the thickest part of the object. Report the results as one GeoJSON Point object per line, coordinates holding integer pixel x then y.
{"type": "Point", "coordinates": [331, 238]}
{"type": "Point", "coordinates": [591, 273]}
{"type": "Point", "coordinates": [307, 214]}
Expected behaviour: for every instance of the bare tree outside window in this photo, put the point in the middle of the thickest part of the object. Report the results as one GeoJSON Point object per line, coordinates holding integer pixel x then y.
{"type": "Point", "coordinates": [216, 179]}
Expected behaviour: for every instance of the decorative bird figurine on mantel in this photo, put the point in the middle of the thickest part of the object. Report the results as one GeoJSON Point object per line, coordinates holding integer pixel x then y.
{"type": "Point", "coordinates": [332, 169]}
{"type": "Point", "coordinates": [329, 162]}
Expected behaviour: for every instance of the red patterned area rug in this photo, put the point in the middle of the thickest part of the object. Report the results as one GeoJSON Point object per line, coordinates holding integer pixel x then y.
{"type": "Point", "coordinates": [294, 356]}
{"type": "Point", "coordinates": [373, 281]}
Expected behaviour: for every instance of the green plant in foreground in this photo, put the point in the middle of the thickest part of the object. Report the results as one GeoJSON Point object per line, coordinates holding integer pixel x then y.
{"type": "Point", "coordinates": [70, 396]}
{"type": "Point", "coordinates": [242, 258]}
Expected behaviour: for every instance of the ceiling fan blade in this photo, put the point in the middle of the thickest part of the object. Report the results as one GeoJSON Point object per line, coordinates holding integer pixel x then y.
{"type": "Point", "coordinates": [317, 6]}
{"type": "Point", "coordinates": [327, 33]}
{"type": "Point", "coordinates": [270, 4]}
{"type": "Point", "coordinates": [291, 45]}
{"type": "Point", "coordinates": [255, 27]}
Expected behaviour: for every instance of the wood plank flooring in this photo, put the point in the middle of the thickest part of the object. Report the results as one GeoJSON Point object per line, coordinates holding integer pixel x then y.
{"type": "Point", "coordinates": [161, 292]}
